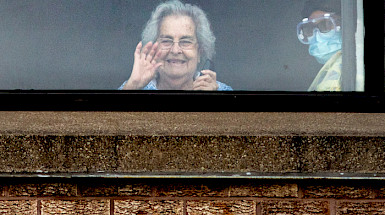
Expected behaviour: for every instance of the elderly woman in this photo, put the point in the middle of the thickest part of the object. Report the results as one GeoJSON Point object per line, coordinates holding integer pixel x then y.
{"type": "Point", "coordinates": [321, 30]}
{"type": "Point", "coordinates": [176, 43]}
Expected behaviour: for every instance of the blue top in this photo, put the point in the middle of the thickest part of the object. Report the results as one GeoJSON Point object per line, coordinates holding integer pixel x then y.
{"type": "Point", "coordinates": [152, 86]}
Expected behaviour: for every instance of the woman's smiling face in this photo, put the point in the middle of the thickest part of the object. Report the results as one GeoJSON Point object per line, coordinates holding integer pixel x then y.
{"type": "Point", "coordinates": [179, 62]}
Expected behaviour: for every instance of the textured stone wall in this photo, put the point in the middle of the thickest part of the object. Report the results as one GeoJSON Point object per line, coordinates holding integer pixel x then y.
{"type": "Point", "coordinates": [131, 154]}
{"type": "Point", "coordinates": [190, 196]}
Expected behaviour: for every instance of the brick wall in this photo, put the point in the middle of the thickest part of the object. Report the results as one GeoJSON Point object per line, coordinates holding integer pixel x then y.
{"type": "Point", "coordinates": [190, 196]}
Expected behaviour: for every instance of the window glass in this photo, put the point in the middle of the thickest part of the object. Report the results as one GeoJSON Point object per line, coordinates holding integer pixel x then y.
{"type": "Point", "coordinates": [275, 45]}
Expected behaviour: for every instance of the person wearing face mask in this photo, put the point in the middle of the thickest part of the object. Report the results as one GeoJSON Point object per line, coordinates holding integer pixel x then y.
{"type": "Point", "coordinates": [176, 44]}
{"type": "Point", "coordinates": [321, 30]}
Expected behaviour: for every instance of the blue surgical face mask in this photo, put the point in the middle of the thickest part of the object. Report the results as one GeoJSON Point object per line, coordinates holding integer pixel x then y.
{"type": "Point", "coordinates": [324, 45]}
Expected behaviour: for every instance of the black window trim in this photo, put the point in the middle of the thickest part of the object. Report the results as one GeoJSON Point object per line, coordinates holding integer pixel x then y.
{"type": "Point", "coordinates": [371, 100]}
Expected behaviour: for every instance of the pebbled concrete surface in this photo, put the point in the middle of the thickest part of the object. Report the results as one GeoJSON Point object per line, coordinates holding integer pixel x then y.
{"type": "Point", "coordinates": [192, 123]}
{"type": "Point", "coordinates": [148, 142]}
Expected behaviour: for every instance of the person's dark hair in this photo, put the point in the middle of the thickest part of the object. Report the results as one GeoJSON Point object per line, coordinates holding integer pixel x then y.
{"type": "Point", "coordinates": [322, 5]}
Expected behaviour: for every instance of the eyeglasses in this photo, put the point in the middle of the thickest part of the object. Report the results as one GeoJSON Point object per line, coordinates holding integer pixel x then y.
{"type": "Point", "coordinates": [166, 44]}
{"type": "Point", "coordinates": [307, 28]}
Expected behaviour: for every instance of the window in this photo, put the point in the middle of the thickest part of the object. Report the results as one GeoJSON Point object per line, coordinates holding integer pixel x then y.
{"type": "Point", "coordinates": [79, 51]}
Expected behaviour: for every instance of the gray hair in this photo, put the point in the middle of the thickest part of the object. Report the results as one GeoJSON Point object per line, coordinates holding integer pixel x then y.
{"type": "Point", "coordinates": [205, 36]}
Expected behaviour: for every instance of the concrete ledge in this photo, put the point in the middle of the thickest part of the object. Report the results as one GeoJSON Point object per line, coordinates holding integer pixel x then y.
{"type": "Point", "coordinates": [192, 123]}
{"type": "Point", "coordinates": [133, 154]}
{"type": "Point", "coordinates": [150, 143]}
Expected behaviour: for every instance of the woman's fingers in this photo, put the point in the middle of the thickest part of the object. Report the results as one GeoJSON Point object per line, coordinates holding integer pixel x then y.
{"type": "Point", "coordinates": [211, 74]}
{"type": "Point", "coordinates": [207, 81]}
{"type": "Point", "coordinates": [150, 56]}
{"type": "Point", "coordinates": [149, 53]}
{"type": "Point", "coordinates": [146, 49]}
{"type": "Point", "coordinates": [138, 49]}
{"type": "Point", "coordinates": [207, 76]}
{"type": "Point", "coordinates": [158, 55]}
{"type": "Point", "coordinates": [145, 65]}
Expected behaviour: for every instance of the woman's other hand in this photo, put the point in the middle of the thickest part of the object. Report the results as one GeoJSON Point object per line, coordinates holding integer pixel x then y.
{"type": "Point", "coordinates": [207, 81]}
